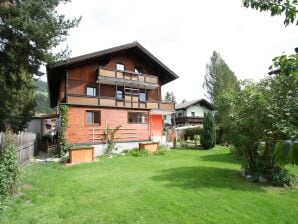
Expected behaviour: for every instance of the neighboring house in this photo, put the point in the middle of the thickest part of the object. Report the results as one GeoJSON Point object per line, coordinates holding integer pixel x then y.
{"type": "Point", "coordinates": [43, 124]}
{"type": "Point", "coordinates": [117, 86]}
{"type": "Point", "coordinates": [190, 113]}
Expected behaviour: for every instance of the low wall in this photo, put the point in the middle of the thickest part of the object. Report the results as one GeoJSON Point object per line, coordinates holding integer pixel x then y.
{"type": "Point", "coordinates": [99, 149]}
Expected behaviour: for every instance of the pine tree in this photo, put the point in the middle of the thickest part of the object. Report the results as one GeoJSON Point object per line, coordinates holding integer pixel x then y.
{"type": "Point", "coordinates": [29, 29]}
{"type": "Point", "coordinates": [208, 137]}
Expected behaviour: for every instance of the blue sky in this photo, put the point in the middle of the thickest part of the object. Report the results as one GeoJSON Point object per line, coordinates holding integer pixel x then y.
{"type": "Point", "coordinates": [183, 34]}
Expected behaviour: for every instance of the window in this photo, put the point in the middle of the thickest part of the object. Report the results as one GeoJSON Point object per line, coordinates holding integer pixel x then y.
{"type": "Point", "coordinates": [136, 117]}
{"type": "Point", "coordinates": [138, 69]}
{"type": "Point", "coordinates": [193, 114]}
{"type": "Point", "coordinates": [179, 114]}
{"type": "Point", "coordinates": [92, 117]}
{"type": "Point", "coordinates": [142, 97]}
{"type": "Point", "coordinates": [91, 91]}
{"type": "Point", "coordinates": [120, 67]}
{"type": "Point", "coordinates": [131, 91]}
{"type": "Point", "coordinates": [119, 93]}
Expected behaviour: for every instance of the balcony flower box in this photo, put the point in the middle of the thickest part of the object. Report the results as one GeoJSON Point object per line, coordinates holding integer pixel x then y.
{"type": "Point", "coordinates": [149, 146]}
{"type": "Point", "coordinates": [81, 153]}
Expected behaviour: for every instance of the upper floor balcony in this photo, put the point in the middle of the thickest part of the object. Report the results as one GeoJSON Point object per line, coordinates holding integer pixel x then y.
{"type": "Point", "coordinates": [111, 77]}
{"type": "Point", "coordinates": [121, 95]}
{"type": "Point", "coordinates": [188, 120]}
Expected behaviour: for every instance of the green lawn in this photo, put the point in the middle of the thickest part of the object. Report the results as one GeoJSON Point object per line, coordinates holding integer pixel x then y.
{"type": "Point", "coordinates": [185, 186]}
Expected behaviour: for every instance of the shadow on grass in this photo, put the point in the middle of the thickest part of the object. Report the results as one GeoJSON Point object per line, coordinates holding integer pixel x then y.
{"type": "Point", "coordinates": [222, 158]}
{"type": "Point", "coordinates": [205, 177]}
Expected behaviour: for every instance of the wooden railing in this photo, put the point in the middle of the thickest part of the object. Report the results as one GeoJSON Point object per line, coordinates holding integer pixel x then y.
{"type": "Point", "coordinates": [128, 75]}
{"type": "Point", "coordinates": [97, 134]}
{"type": "Point", "coordinates": [188, 120]}
{"type": "Point", "coordinates": [113, 102]}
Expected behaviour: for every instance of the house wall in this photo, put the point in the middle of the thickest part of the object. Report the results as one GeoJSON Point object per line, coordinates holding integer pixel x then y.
{"type": "Point", "coordinates": [81, 77]}
{"type": "Point", "coordinates": [198, 109]}
{"type": "Point", "coordinates": [79, 132]}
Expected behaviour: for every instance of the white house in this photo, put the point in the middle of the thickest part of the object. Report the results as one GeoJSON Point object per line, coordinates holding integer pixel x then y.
{"type": "Point", "coordinates": [189, 113]}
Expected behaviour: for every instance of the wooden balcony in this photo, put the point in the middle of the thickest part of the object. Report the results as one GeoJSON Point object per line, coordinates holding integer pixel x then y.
{"type": "Point", "coordinates": [188, 120]}
{"type": "Point", "coordinates": [113, 102]}
{"type": "Point", "coordinates": [106, 76]}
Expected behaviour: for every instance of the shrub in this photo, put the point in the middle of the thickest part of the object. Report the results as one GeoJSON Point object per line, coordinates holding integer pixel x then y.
{"type": "Point", "coordinates": [208, 137]}
{"type": "Point", "coordinates": [162, 150]}
{"type": "Point", "coordinates": [138, 152]}
{"type": "Point", "coordinates": [191, 132]}
{"type": "Point", "coordinates": [9, 166]}
{"type": "Point", "coordinates": [196, 139]}
{"type": "Point", "coordinates": [109, 138]}
{"type": "Point", "coordinates": [283, 178]}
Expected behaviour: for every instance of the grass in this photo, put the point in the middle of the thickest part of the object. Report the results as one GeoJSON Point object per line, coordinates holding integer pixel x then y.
{"type": "Point", "coordinates": [184, 186]}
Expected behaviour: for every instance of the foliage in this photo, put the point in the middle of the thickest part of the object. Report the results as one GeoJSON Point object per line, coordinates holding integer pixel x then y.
{"type": "Point", "coordinates": [219, 77]}
{"type": "Point", "coordinates": [191, 132]}
{"type": "Point", "coordinates": [29, 29]}
{"type": "Point", "coordinates": [63, 146]}
{"type": "Point", "coordinates": [284, 178]}
{"type": "Point", "coordinates": [17, 101]}
{"type": "Point", "coordinates": [196, 139]}
{"type": "Point", "coordinates": [170, 97]}
{"type": "Point", "coordinates": [42, 104]}
{"type": "Point", "coordinates": [109, 138]}
{"type": "Point", "coordinates": [208, 137]}
{"type": "Point", "coordinates": [138, 153]}
{"type": "Point", "coordinates": [251, 123]}
{"type": "Point", "coordinates": [276, 7]}
{"type": "Point", "coordinates": [162, 150]}
{"type": "Point", "coordinates": [285, 152]}
{"type": "Point", "coordinates": [9, 166]}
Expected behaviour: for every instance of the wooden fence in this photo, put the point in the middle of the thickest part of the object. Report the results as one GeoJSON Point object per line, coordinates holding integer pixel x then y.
{"type": "Point", "coordinates": [26, 146]}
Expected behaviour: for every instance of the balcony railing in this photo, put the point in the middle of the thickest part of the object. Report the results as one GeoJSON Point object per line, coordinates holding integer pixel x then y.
{"type": "Point", "coordinates": [188, 120]}
{"type": "Point", "coordinates": [127, 76]}
{"type": "Point", "coordinates": [113, 102]}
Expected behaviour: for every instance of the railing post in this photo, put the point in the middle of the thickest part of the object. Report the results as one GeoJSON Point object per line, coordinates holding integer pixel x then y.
{"type": "Point", "coordinates": [92, 134]}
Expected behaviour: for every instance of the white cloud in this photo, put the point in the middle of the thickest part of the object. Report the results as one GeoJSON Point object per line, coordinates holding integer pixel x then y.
{"type": "Point", "coordinates": [183, 35]}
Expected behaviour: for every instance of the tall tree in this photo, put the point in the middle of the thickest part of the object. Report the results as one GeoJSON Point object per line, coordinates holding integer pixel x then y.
{"type": "Point", "coordinates": [29, 29]}
{"type": "Point", "coordinates": [170, 97]}
{"type": "Point", "coordinates": [219, 77]}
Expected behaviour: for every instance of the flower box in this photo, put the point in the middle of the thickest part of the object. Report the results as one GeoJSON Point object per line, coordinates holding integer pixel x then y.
{"type": "Point", "coordinates": [149, 146]}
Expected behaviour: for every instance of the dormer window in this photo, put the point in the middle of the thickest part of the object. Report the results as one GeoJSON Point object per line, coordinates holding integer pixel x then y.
{"type": "Point", "coordinates": [138, 69]}
{"type": "Point", "coordinates": [120, 67]}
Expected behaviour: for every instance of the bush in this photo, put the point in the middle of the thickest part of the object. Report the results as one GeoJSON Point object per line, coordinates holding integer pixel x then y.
{"type": "Point", "coordinates": [208, 137]}
{"type": "Point", "coordinates": [9, 166]}
{"type": "Point", "coordinates": [162, 150]}
{"type": "Point", "coordinates": [137, 152]}
{"type": "Point", "coordinates": [283, 178]}
{"type": "Point", "coordinates": [191, 132]}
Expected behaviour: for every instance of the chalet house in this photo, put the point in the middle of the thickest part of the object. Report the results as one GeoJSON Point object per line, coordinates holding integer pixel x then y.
{"type": "Point", "coordinates": [191, 113]}
{"type": "Point", "coordinates": [108, 88]}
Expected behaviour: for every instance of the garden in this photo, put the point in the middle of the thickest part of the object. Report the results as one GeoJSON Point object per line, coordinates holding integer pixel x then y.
{"type": "Point", "coordinates": [182, 186]}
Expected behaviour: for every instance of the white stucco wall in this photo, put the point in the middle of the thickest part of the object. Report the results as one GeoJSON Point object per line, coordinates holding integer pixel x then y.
{"type": "Point", "coordinates": [197, 109]}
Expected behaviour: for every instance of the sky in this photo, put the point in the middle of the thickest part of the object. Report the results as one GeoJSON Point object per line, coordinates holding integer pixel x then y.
{"type": "Point", "coordinates": [183, 35]}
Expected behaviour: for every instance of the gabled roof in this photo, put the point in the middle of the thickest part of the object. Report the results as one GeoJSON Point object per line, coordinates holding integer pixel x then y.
{"type": "Point", "coordinates": [55, 71]}
{"type": "Point", "coordinates": [112, 50]}
{"type": "Point", "coordinates": [201, 101]}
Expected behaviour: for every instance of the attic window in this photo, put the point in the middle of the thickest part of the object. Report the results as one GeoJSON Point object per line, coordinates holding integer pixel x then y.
{"type": "Point", "coordinates": [120, 67]}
